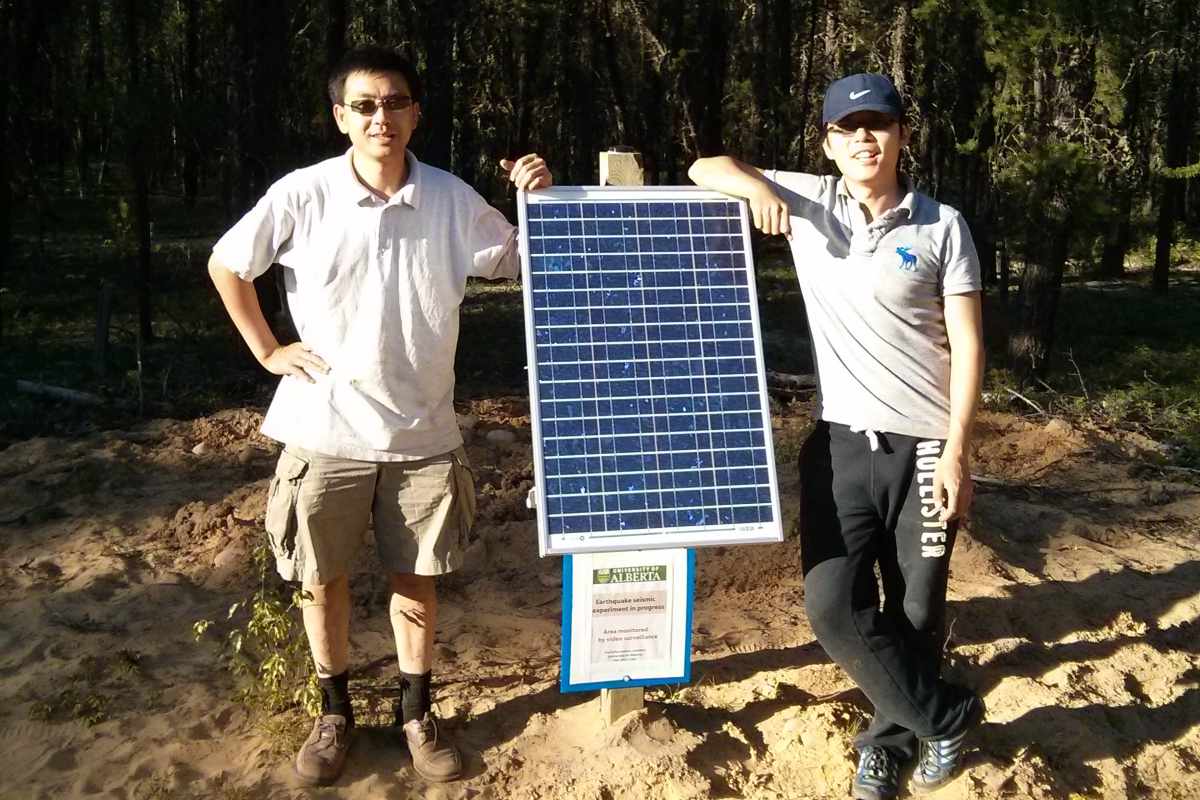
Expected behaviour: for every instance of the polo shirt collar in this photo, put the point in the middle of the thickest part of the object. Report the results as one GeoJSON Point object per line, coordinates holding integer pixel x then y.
{"type": "Point", "coordinates": [907, 205]}
{"type": "Point", "coordinates": [355, 192]}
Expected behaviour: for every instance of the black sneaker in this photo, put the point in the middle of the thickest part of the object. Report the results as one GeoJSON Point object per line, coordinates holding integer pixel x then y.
{"type": "Point", "coordinates": [878, 775]}
{"type": "Point", "coordinates": [938, 760]}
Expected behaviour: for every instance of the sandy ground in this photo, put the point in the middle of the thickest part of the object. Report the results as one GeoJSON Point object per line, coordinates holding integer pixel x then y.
{"type": "Point", "coordinates": [1075, 610]}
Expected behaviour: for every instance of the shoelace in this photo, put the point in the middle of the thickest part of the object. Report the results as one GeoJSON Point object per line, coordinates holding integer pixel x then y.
{"type": "Point", "coordinates": [327, 733]}
{"type": "Point", "coordinates": [428, 729]}
{"type": "Point", "coordinates": [940, 755]}
{"type": "Point", "coordinates": [877, 765]}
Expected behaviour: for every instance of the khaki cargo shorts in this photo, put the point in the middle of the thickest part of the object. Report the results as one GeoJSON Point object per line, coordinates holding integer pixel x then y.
{"type": "Point", "coordinates": [319, 508]}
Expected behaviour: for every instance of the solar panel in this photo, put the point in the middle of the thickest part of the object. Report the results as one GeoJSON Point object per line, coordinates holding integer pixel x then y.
{"type": "Point", "coordinates": [648, 394]}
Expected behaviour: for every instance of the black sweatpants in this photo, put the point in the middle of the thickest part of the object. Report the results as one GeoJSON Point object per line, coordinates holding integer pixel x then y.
{"type": "Point", "coordinates": [861, 507]}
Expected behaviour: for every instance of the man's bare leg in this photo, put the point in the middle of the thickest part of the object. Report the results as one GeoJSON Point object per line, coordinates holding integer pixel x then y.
{"type": "Point", "coordinates": [413, 610]}
{"type": "Point", "coordinates": [414, 615]}
{"type": "Point", "coordinates": [327, 623]}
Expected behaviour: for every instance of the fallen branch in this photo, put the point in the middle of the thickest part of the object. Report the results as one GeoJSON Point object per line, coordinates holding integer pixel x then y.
{"type": "Point", "coordinates": [1192, 470]}
{"type": "Point", "coordinates": [1031, 404]}
{"type": "Point", "coordinates": [59, 393]}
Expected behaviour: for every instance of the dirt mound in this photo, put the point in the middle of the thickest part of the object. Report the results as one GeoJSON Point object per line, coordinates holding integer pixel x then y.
{"type": "Point", "coordinates": [1074, 610]}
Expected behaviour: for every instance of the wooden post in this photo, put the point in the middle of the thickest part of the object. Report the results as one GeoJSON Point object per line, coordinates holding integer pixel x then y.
{"type": "Point", "coordinates": [621, 166]}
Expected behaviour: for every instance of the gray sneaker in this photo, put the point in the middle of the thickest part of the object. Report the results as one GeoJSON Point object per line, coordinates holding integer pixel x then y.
{"type": "Point", "coordinates": [433, 757]}
{"type": "Point", "coordinates": [877, 776]}
{"type": "Point", "coordinates": [939, 760]}
{"type": "Point", "coordinates": [323, 754]}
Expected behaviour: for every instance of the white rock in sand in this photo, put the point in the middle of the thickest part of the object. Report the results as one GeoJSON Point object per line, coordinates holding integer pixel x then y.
{"type": "Point", "coordinates": [233, 558]}
{"type": "Point", "coordinates": [1058, 427]}
{"type": "Point", "coordinates": [501, 438]}
{"type": "Point", "coordinates": [200, 449]}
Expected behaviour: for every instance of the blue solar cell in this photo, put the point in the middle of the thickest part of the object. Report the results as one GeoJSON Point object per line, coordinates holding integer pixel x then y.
{"type": "Point", "coordinates": [647, 382]}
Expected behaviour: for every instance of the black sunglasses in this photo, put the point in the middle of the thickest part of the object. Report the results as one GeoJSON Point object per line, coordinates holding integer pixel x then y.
{"type": "Point", "coordinates": [368, 106]}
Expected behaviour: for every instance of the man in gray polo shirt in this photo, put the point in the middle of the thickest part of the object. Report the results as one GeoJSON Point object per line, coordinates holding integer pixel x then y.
{"type": "Point", "coordinates": [377, 248]}
{"type": "Point", "coordinates": [891, 287]}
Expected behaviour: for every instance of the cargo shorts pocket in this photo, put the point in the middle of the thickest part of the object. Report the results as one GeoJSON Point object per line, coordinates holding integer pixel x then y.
{"type": "Point", "coordinates": [281, 521]}
{"type": "Point", "coordinates": [464, 494]}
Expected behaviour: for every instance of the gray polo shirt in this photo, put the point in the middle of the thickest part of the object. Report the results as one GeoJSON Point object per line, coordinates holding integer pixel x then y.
{"type": "Point", "coordinates": [873, 293]}
{"type": "Point", "coordinates": [374, 287]}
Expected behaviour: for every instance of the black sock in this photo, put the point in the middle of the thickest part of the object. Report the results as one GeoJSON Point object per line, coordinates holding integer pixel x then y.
{"type": "Point", "coordinates": [414, 696]}
{"type": "Point", "coordinates": [335, 696]}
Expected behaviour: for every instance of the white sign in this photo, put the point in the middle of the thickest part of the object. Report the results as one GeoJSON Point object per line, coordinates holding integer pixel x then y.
{"type": "Point", "coordinates": [627, 619]}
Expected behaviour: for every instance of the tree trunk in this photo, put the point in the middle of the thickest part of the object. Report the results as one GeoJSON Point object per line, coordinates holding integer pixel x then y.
{"type": "Point", "coordinates": [762, 80]}
{"type": "Point", "coordinates": [191, 100]}
{"type": "Point", "coordinates": [901, 48]}
{"type": "Point", "coordinates": [703, 83]}
{"type": "Point", "coordinates": [1171, 191]}
{"type": "Point", "coordinates": [781, 99]}
{"type": "Point", "coordinates": [583, 117]}
{"type": "Point", "coordinates": [7, 44]}
{"type": "Point", "coordinates": [464, 155]}
{"type": "Point", "coordinates": [833, 53]}
{"type": "Point", "coordinates": [1005, 281]}
{"type": "Point", "coordinates": [1030, 344]}
{"type": "Point", "coordinates": [810, 54]}
{"type": "Point", "coordinates": [1116, 236]}
{"type": "Point", "coordinates": [335, 48]}
{"type": "Point", "coordinates": [87, 117]}
{"type": "Point", "coordinates": [436, 16]}
{"type": "Point", "coordinates": [136, 158]}
{"type": "Point", "coordinates": [628, 131]}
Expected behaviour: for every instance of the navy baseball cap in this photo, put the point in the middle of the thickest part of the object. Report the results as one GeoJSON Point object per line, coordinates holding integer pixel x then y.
{"type": "Point", "coordinates": [866, 91]}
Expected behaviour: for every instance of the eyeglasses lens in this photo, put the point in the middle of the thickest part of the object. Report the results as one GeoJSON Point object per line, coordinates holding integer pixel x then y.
{"type": "Point", "coordinates": [368, 107]}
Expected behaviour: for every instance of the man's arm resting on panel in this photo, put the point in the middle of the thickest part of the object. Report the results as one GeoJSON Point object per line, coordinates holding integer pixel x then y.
{"type": "Point", "coordinates": [733, 177]}
{"type": "Point", "coordinates": [952, 484]}
{"type": "Point", "coordinates": [241, 302]}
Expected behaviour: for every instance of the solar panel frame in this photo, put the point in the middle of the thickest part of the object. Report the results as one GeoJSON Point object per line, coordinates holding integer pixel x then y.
{"type": "Point", "coordinates": [689, 535]}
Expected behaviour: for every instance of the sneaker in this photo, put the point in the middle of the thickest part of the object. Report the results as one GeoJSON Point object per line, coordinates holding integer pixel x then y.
{"type": "Point", "coordinates": [938, 760]}
{"type": "Point", "coordinates": [878, 775]}
{"type": "Point", "coordinates": [433, 757]}
{"type": "Point", "coordinates": [323, 754]}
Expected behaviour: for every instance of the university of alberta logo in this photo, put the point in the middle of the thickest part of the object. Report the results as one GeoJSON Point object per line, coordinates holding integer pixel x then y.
{"type": "Point", "coordinates": [908, 261]}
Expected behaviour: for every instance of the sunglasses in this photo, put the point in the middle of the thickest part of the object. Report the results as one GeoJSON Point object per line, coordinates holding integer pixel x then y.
{"type": "Point", "coordinates": [875, 123]}
{"type": "Point", "coordinates": [368, 106]}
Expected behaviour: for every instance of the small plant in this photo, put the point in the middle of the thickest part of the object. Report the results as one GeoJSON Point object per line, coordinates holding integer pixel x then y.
{"type": "Point", "coordinates": [71, 704]}
{"type": "Point", "coordinates": [264, 650]}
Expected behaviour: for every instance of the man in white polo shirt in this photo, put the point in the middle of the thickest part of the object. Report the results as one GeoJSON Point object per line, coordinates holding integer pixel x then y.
{"type": "Point", "coordinates": [891, 287]}
{"type": "Point", "coordinates": [377, 248]}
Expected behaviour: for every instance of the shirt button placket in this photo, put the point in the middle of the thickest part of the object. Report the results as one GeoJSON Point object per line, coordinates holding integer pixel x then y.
{"type": "Point", "coordinates": [381, 237]}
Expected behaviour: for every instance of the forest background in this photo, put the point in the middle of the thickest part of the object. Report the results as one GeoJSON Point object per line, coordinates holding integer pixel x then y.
{"type": "Point", "coordinates": [135, 132]}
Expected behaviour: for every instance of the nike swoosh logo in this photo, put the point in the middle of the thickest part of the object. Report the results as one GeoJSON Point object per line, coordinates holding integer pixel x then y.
{"type": "Point", "coordinates": [856, 95]}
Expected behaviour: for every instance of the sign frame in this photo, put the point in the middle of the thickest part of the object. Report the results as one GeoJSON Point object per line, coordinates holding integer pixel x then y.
{"type": "Point", "coordinates": [577, 639]}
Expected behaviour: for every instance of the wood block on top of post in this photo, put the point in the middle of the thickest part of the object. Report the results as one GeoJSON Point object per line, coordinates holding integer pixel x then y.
{"type": "Point", "coordinates": [621, 166]}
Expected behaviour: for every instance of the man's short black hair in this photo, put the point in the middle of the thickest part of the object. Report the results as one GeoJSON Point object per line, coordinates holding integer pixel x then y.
{"type": "Point", "coordinates": [372, 60]}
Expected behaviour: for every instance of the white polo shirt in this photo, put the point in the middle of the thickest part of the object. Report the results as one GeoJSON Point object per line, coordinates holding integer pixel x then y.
{"type": "Point", "coordinates": [873, 292]}
{"type": "Point", "coordinates": [374, 288]}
